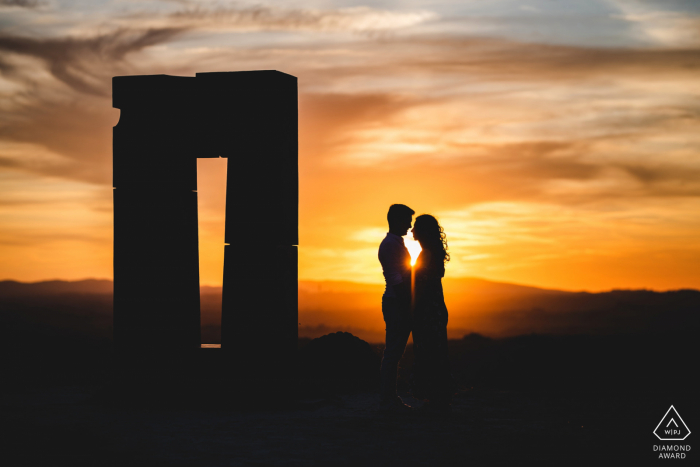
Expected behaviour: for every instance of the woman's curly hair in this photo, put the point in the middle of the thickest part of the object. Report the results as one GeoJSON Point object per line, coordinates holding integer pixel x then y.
{"type": "Point", "coordinates": [432, 235]}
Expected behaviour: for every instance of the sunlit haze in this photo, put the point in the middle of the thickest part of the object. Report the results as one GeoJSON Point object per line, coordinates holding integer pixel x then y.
{"type": "Point", "coordinates": [558, 143]}
{"type": "Point", "coordinates": [413, 247]}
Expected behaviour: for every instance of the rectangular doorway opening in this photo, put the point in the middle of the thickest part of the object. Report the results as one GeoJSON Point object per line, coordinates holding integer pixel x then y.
{"type": "Point", "coordinates": [211, 206]}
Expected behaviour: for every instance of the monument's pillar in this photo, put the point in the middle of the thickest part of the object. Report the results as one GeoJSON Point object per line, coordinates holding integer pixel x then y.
{"type": "Point", "coordinates": [156, 258]}
{"type": "Point", "coordinates": [166, 123]}
{"type": "Point", "coordinates": [255, 125]}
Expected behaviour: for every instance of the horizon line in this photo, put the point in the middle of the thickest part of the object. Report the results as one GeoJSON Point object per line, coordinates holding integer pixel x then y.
{"type": "Point", "coordinates": [380, 284]}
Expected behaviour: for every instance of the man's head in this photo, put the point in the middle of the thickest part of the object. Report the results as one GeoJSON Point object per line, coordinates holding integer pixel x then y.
{"type": "Point", "coordinates": [400, 218]}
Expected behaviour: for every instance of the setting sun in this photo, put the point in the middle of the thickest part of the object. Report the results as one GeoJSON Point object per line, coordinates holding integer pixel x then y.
{"type": "Point", "coordinates": [413, 247]}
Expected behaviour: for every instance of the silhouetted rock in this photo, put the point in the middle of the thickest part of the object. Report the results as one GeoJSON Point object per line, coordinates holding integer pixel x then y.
{"type": "Point", "coordinates": [338, 362]}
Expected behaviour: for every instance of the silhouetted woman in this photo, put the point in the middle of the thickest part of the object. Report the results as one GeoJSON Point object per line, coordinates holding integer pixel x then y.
{"type": "Point", "coordinates": [431, 370]}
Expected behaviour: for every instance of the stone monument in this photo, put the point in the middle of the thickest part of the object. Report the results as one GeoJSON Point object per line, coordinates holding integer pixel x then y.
{"type": "Point", "coordinates": [166, 124]}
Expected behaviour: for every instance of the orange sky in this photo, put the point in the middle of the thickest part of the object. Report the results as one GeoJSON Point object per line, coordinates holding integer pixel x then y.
{"type": "Point", "coordinates": [557, 156]}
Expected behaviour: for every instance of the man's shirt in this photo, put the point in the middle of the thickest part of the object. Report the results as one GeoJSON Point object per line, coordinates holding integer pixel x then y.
{"type": "Point", "coordinates": [396, 262]}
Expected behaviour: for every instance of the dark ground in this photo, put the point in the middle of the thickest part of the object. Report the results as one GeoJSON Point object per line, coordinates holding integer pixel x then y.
{"type": "Point", "coordinates": [526, 400]}
{"type": "Point", "coordinates": [576, 399]}
{"type": "Point", "coordinates": [71, 426]}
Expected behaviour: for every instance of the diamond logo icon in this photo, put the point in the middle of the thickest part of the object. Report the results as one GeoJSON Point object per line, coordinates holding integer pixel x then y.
{"type": "Point", "coordinates": [671, 427]}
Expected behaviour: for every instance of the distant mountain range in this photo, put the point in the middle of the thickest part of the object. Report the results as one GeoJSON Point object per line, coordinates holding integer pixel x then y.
{"type": "Point", "coordinates": [466, 285]}
{"type": "Point", "coordinates": [463, 285]}
{"type": "Point", "coordinates": [475, 306]}
{"type": "Point", "coordinates": [14, 288]}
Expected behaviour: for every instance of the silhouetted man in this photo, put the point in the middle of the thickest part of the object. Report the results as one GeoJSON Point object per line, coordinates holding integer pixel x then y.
{"type": "Point", "coordinates": [396, 302]}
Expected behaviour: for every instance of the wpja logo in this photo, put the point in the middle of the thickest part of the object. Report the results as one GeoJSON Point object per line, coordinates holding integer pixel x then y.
{"type": "Point", "coordinates": [672, 428]}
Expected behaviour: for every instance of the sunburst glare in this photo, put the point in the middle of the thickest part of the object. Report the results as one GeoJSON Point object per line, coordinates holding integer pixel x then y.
{"type": "Point", "coordinates": [413, 247]}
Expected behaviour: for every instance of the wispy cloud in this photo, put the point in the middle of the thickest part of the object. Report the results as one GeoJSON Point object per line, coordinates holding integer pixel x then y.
{"type": "Point", "coordinates": [22, 3]}
{"type": "Point", "coordinates": [659, 23]}
{"type": "Point", "coordinates": [271, 18]}
{"type": "Point", "coordinates": [85, 64]}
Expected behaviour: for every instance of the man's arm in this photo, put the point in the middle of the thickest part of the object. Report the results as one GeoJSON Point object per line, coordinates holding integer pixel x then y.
{"type": "Point", "coordinates": [390, 256]}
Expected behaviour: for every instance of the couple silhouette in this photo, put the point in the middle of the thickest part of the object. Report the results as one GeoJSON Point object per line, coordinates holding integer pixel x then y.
{"type": "Point", "coordinates": [413, 302]}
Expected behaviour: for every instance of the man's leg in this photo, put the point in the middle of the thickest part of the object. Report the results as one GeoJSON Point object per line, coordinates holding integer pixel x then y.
{"type": "Point", "coordinates": [397, 331]}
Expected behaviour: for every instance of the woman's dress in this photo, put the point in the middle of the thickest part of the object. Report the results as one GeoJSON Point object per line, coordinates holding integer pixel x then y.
{"type": "Point", "coordinates": [431, 369]}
